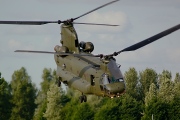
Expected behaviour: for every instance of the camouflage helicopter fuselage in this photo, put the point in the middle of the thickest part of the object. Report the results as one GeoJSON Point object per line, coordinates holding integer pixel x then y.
{"type": "Point", "coordinates": [89, 75]}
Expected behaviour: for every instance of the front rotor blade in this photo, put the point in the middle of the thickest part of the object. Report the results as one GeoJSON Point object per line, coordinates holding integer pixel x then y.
{"type": "Point", "coordinates": [96, 9]}
{"type": "Point", "coordinates": [55, 53]}
{"type": "Point", "coordinates": [151, 39]}
{"type": "Point", "coordinates": [94, 24]}
{"type": "Point", "coordinates": [29, 22]}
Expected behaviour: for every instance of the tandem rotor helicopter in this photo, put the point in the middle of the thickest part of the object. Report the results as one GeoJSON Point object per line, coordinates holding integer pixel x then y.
{"type": "Point", "coordinates": [77, 67]}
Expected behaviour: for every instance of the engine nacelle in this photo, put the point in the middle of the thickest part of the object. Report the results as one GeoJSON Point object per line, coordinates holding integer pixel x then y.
{"type": "Point", "coordinates": [86, 46]}
{"type": "Point", "coordinates": [62, 49]}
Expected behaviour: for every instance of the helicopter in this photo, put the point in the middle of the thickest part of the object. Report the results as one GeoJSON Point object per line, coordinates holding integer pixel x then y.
{"type": "Point", "coordinates": [77, 67]}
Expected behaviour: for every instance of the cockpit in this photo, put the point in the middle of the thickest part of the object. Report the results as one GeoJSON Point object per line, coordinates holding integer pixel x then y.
{"type": "Point", "coordinates": [112, 82]}
{"type": "Point", "coordinates": [115, 74]}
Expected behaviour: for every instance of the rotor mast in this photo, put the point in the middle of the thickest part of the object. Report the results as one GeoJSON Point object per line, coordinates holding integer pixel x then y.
{"type": "Point", "coordinates": [69, 38]}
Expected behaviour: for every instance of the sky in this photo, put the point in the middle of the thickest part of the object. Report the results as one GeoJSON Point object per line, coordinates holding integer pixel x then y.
{"type": "Point", "coordinates": [138, 20]}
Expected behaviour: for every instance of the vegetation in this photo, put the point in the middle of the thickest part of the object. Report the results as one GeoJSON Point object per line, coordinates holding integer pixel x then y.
{"type": "Point", "coordinates": [148, 94]}
{"type": "Point", "coordinates": [5, 97]}
{"type": "Point", "coordinates": [23, 96]}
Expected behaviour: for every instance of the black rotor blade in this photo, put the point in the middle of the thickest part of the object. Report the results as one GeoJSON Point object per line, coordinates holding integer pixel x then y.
{"type": "Point", "coordinates": [29, 22]}
{"type": "Point", "coordinates": [55, 53]}
{"type": "Point", "coordinates": [95, 9]}
{"type": "Point", "coordinates": [151, 39]}
{"type": "Point", "coordinates": [94, 24]}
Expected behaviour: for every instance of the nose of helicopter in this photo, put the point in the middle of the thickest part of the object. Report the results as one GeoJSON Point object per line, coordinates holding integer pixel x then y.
{"type": "Point", "coordinates": [115, 89]}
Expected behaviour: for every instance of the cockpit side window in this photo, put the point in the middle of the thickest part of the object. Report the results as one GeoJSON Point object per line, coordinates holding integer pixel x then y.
{"type": "Point", "coordinates": [113, 80]}
{"type": "Point", "coordinates": [106, 79]}
{"type": "Point", "coordinates": [121, 80]}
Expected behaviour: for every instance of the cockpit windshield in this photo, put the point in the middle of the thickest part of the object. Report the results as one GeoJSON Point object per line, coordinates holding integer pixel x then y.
{"type": "Point", "coordinates": [114, 69]}
{"type": "Point", "coordinates": [115, 74]}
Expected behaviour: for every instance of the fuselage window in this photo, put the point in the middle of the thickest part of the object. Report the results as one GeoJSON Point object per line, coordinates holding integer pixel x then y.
{"type": "Point", "coordinates": [92, 80]}
{"type": "Point", "coordinates": [76, 43]}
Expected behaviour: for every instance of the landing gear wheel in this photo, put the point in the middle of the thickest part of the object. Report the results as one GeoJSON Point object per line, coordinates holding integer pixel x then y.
{"type": "Point", "coordinates": [59, 83]}
{"type": "Point", "coordinates": [83, 98]}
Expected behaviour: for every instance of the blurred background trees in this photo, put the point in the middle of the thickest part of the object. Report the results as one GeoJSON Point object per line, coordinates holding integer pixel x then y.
{"type": "Point", "coordinates": [5, 97]}
{"type": "Point", "coordinates": [23, 93]}
{"type": "Point", "coordinates": [148, 95]}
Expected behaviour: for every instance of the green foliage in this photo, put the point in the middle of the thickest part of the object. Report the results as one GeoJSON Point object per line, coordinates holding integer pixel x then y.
{"type": "Point", "coordinates": [103, 101]}
{"type": "Point", "coordinates": [95, 101]}
{"type": "Point", "coordinates": [151, 94]}
{"type": "Point", "coordinates": [174, 110]}
{"type": "Point", "coordinates": [177, 78]}
{"type": "Point", "coordinates": [5, 96]}
{"type": "Point", "coordinates": [83, 112]}
{"type": "Point", "coordinates": [68, 111]}
{"type": "Point", "coordinates": [56, 98]}
{"type": "Point", "coordinates": [54, 105]}
{"type": "Point", "coordinates": [177, 90]}
{"type": "Point", "coordinates": [40, 110]}
{"type": "Point", "coordinates": [163, 102]}
{"type": "Point", "coordinates": [158, 109]}
{"type": "Point", "coordinates": [165, 75]}
{"type": "Point", "coordinates": [125, 107]}
{"type": "Point", "coordinates": [147, 95]}
{"type": "Point", "coordinates": [131, 78]}
{"type": "Point", "coordinates": [23, 96]}
{"type": "Point", "coordinates": [108, 112]}
{"type": "Point", "coordinates": [166, 87]}
{"type": "Point", "coordinates": [147, 77]}
{"type": "Point", "coordinates": [48, 77]}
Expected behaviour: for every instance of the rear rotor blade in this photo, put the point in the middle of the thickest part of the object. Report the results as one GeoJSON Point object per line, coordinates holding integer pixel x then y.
{"type": "Point", "coordinates": [29, 22]}
{"type": "Point", "coordinates": [55, 53]}
{"type": "Point", "coordinates": [94, 24]}
{"type": "Point", "coordinates": [95, 9]}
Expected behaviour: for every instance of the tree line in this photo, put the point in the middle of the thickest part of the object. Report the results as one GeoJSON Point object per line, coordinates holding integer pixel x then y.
{"type": "Point", "coordinates": [148, 95]}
